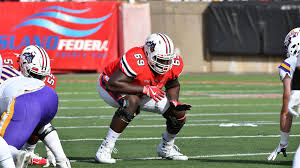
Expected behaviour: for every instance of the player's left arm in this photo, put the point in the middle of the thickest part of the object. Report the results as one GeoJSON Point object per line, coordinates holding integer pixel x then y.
{"type": "Point", "coordinates": [173, 86]}
{"type": "Point", "coordinates": [172, 89]}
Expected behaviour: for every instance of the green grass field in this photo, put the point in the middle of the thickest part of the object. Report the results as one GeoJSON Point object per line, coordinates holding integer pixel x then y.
{"type": "Point", "coordinates": [218, 101]}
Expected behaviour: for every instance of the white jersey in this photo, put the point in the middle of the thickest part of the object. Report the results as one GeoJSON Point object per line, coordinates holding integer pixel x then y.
{"type": "Point", "coordinates": [14, 84]}
{"type": "Point", "coordinates": [0, 65]}
{"type": "Point", "coordinates": [287, 67]}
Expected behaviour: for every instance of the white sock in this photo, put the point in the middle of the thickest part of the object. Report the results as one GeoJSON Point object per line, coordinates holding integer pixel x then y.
{"type": "Point", "coordinates": [296, 162]}
{"type": "Point", "coordinates": [169, 137]}
{"type": "Point", "coordinates": [53, 143]}
{"type": "Point", "coordinates": [7, 163]}
{"type": "Point", "coordinates": [28, 147]}
{"type": "Point", "coordinates": [112, 136]}
{"type": "Point", "coordinates": [284, 137]}
{"type": "Point", "coordinates": [47, 149]}
{"type": "Point", "coordinates": [4, 150]}
{"type": "Point", "coordinates": [14, 152]}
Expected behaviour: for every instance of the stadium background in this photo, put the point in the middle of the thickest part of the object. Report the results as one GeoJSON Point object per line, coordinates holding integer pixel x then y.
{"type": "Point", "coordinates": [231, 52]}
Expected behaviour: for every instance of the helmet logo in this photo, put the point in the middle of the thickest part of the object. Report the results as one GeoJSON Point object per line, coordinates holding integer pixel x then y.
{"type": "Point", "coordinates": [29, 57]}
{"type": "Point", "coordinates": [151, 45]}
{"type": "Point", "coordinates": [294, 33]}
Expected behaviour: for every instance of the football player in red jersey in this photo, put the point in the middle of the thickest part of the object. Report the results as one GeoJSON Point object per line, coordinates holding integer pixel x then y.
{"type": "Point", "coordinates": [34, 62]}
{"type": "Point", "coordinates": [134, 82]}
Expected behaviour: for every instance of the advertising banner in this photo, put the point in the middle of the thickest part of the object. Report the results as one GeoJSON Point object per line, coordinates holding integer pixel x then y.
{"type": "Point", "coordinates": [76, 36]}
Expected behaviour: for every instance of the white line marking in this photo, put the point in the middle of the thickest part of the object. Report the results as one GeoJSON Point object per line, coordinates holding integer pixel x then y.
{"type": "Point", "coordinates": [197, 105]}
{"type": "Point", "coordinates": [77, 93]}
{"type": "Point", "coordinates": [230, 91]}
{"type": "Point", "coordinates": [237, 125]}
{"type": "Point", "coordinates": [81, 100]}
{"type": "Point", "coordinates": [162, 126]}
{"type": "Point", "coordinates": [191, 157]}
{"type": "Point", "coordinates": [157, 115]}
{"type": "Point", "coordinates": [181, 98]}
{"type": "Point", "coordinates": [163, 119]}
{"type": "Point", "coordinates": [262, 91]}
{"type": "Point", "coordinates": [192, 137]}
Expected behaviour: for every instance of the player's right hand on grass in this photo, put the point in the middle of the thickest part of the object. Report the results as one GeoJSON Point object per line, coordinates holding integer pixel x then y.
{"type": "Point", "coordinates": [154, 92]}
{"type": "Point", "coordinates": [280, 148]}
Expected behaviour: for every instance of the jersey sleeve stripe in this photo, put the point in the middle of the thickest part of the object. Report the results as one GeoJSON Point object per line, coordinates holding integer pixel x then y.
{"type": "Point", "coordinates": [129, 72]}
{"type": "Point", "coordinates": [284, 69]}
{"type": "Point", "coordinates": [10, 70]}
{"type": "Point", "coordinates": [6, 118]}
{"type": "Point", "coordinates": [3, 78]}
{"type": "Point", "coordinates": [285, 66]}
{"type": "Point", "coordinates": [7, 74]}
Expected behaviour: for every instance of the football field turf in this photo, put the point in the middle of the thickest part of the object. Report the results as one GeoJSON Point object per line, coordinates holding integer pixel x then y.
{"type": "Point", "coordinates": [234, 123]}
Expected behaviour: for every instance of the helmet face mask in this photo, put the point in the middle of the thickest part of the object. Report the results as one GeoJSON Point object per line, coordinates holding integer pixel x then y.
{"type": "Point", "coordinates": [34, 62]}
{"type": "Point", "coordinates": [292, 43]}
{"type": "Point", "coordinates": [159, 50]}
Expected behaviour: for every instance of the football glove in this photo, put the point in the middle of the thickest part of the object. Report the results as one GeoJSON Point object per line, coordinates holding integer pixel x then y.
{"type": "Point", "coordinates": [277, 151]}
{"type": "Point", "coordinates": [154, 92]}
{"type": "Point", "coordinates": [180, 106]}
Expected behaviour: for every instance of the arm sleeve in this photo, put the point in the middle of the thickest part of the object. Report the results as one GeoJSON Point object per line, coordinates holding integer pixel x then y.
{"type": "Point", "coordinates": [284, 69]}
{"type": "Point", "coordinates": [127, 68]}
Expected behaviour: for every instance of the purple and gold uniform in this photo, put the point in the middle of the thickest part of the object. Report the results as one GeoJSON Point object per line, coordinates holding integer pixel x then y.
{"type": "Point", "coordinates": [26, 104]}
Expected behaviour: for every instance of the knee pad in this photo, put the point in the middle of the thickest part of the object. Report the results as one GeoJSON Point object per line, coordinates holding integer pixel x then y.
{"type": "Point", "coordinates": [125, 115]}
{"type": "Point", "coordinates": [175, 120]}
{"type": "Point", "coordinates": [124, 103]}
{"type": "Point", "coordinates": [43, 132]}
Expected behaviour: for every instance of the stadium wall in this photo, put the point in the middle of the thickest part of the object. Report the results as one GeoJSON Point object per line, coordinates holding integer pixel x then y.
{"type": "Point", "coordinates": [183, 21]}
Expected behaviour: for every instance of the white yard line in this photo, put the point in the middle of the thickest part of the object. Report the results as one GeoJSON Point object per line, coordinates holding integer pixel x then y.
{"type": "Point", "coordinates": [191, 157]}
{"type": "Point", "coordinates": [197, 105]}
{"type": "Point", "coordinates": [191, 137]}
{"type": "Point", "coordinates": [181, 98]}
{"type": "Point", "coordinates": [163, 125]}
{"type": "Point", "coordinates": [230, 91]}
{"type": "Point", "coordinates": [157, 115]}
{"type": "Point", "coordinates": [261, 91]}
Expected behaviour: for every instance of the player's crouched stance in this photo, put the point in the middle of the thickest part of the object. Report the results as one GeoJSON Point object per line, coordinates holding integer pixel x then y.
{"type": "Point", "coordinates": [133, 83]}
{"type": "Point", "coordinates": [27, 106]}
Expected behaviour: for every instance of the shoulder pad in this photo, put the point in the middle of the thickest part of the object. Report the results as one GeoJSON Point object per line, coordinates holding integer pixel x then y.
{"type": "Point", "coordinates": [133, 62]}
{"type": "Point", "coordinates": [11, 59]}
{"type": "Point", "coordinates": [177, 67]}
{"type": "Point", "coordinates": [51, 81]}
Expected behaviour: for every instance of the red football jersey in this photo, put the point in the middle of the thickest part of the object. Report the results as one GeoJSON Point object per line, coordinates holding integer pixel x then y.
{"type": "Point", "coordinates": [12, 59]}
{"type": "Point", "coordinates": [134, 64]}
{"type": "Point", "coordinates": [50, 81]}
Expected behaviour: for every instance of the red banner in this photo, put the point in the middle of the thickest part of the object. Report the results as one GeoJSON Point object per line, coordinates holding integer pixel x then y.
{"type": "Point", "coordinates": [77, 36]}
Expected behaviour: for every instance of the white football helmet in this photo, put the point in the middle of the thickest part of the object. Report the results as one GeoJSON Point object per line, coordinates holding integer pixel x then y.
{"type": "Point", "coordinates": [292, 42]}
{"type": "Point", "coordinates": [35, 62]}
{"type": "Point", "coordinates": [160, 53]}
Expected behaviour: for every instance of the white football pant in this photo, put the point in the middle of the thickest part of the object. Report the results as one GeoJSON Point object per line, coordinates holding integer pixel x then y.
{"type": "Point", "coordinates": [147, 103]}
